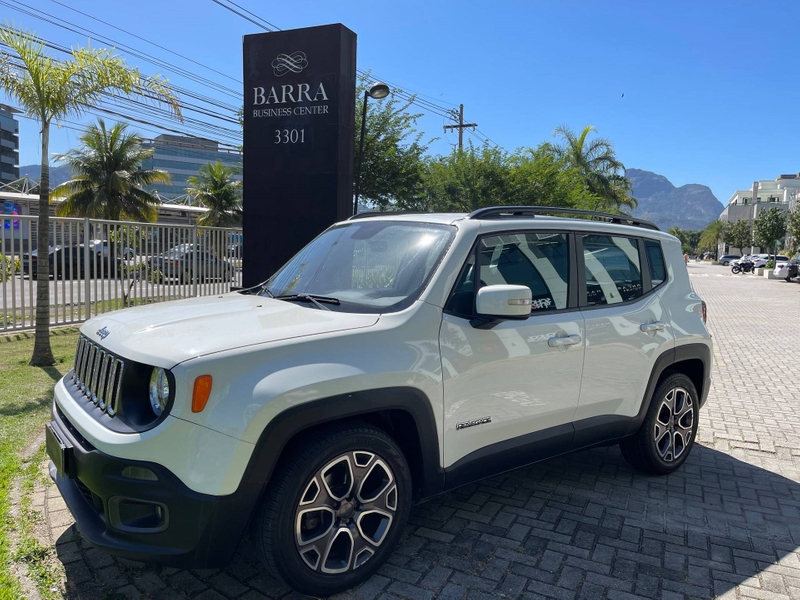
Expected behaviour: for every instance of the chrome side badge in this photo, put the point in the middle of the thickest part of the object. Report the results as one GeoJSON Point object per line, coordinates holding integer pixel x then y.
{"type": "Point", "coordinates": [474, 422]}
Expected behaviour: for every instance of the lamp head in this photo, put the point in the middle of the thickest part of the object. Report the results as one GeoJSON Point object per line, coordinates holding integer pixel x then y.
{"type": "Point", "coordinates": [378, 91]}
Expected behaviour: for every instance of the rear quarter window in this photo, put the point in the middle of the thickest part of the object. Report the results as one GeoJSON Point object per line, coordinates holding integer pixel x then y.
{"type": "Point", "coordinates": [655, 258]}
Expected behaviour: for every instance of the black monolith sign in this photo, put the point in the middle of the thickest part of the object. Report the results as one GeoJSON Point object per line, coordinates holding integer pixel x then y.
{"type": "Point", "coordinates": [299, 102]}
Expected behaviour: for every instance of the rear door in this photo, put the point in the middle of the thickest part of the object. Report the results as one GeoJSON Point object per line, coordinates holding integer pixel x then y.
{"type": "Point", "coordinates": [508, 387]}
{"type": "Point", "coordinates": [627, 326]}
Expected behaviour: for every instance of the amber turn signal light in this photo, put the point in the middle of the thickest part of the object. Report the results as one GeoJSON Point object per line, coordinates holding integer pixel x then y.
{"type": "Point", "coordinates": [201, 392]}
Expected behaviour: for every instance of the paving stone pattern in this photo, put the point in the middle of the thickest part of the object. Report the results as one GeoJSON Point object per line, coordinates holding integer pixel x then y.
{"type": "Point", "coordinates": [584, 526]}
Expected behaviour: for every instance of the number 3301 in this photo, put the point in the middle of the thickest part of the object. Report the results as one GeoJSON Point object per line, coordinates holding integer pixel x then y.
{"type": "Point", "coordinates": [290, 136]}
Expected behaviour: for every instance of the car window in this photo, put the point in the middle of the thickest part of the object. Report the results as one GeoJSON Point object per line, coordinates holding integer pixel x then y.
{"type": "Point", "coordinates": [539, 261]}
{"type": "Point", "coordinates": [369, 266]}
{"type": "Point", "coordinates": [655, 258]}
{"type": "Point", "coordinates": [613, 273]}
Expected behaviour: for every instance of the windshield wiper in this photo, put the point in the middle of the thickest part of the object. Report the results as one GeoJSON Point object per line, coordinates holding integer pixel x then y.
{"type": "Point", "coordinates": [313, 298]}
{"type": "Point", "coordinates": [263, 289]}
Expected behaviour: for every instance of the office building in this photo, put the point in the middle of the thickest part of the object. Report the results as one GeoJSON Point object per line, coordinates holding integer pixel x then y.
{"type": "Point", "coordinates": [182, 157]}
{"type": "Point", "coordinates": [9, 144]}
{"type": "Point", "coordinates": [783, 192]}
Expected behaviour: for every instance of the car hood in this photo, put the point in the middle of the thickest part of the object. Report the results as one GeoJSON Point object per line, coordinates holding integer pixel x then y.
{"type": "Point", "coordinates": [171, 332]}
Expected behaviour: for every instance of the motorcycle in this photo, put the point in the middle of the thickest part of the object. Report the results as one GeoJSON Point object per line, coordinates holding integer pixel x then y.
{"type": "Point", "coordinates": [744, 266]}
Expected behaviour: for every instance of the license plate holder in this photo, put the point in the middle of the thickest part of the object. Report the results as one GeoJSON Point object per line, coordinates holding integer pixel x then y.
{"type": "Point", "coordinates": [58, 449]}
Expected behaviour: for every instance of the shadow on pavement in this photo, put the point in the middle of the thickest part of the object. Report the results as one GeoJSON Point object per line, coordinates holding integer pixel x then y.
{"type": "Point", "coordinates": [575, 527]}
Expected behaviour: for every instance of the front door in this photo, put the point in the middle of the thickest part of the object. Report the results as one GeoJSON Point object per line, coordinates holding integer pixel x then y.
{"type": "Point", "coordinates": [511, 387]}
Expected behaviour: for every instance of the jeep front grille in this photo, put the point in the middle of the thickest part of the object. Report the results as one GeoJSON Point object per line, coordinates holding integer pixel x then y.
{"type": "Point", "coordinates": [98, 375]}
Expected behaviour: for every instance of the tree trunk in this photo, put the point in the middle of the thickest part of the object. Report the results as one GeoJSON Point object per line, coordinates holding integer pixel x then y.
{"type": "Point", "coordinates": [42, 353]}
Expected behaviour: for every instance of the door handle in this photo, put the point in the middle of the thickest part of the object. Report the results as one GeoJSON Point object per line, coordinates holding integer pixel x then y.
{"type": "Point", "coordinates": [652, 327]}
{"type": "Point", "coordinates": [570, 340]}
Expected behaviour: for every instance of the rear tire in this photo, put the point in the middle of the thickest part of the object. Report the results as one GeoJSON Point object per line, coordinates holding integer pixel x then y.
{"type": "Point", "coordinates": [335, 509]}
{"type": "Point", "coordinates": [668, 432]}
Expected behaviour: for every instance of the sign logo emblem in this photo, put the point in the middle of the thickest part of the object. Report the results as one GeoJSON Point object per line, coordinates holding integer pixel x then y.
{"type": "Point", "coordinates": [289, 63]}
{"type": "Point", "coordinates": [473, 423]}
{"type": "Point", "coordinates": [103, 333]}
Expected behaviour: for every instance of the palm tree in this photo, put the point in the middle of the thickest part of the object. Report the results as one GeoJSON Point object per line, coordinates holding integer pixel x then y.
{"type": "Point", "coordinates": [713, 234]}
{"type": "Point", "coordinates": [48, 89]}
{"type": "Point", "coordinates": [681, 235]}
{"type": "Point", "coordinates": [603, 174]}
{"type": "Point", "coordinates": [108, 178]}
{"type": "Point", "coordinates": [215, 188]}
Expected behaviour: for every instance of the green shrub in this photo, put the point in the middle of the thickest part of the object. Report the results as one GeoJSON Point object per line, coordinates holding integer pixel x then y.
{"type": "Point", "coordinates": [7, 265]}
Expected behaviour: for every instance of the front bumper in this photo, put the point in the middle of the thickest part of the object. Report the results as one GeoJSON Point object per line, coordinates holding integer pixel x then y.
{"type": "Point", "coordinates": [160, 521]}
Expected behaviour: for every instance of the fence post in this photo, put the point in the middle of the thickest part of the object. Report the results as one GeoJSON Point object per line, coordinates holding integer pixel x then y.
{"type": "Point", "coordinates": [195, 250]}
{"type": "Point", "coordinates": [87, 288]}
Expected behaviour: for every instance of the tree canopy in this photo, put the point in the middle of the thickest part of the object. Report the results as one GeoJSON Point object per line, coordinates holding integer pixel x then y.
{"type": "Point", "coordinates": [793, 227]}
{"type": "Point", "coordinates": [712, 235]}
{"type": "Point", "coordinates": [602, 172]}
{"type": "Point", "coordinates": [108, 180]}
{"type": "Point", "coordinates": [48, 89]}
{"type": "Point", "coordinates": [394, 151]}
{"type": "Point", "coordinates": [216, 189]}
{"type": "Point", "coordinates": [738, 235]}
{"type": "Point", "coordinates": [769, 226]}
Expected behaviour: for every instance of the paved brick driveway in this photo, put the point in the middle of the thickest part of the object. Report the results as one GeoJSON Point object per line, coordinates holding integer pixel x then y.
{"type": "Point", "coordinates": [585, 526]}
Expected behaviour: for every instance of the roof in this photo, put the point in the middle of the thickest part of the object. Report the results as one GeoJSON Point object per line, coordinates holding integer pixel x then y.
{"type": "Point", "coordinates": [500, 217]}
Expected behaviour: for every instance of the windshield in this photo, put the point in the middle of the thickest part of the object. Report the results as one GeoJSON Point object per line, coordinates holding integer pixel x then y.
{"type": "Point", "coordinates": [369, 266]}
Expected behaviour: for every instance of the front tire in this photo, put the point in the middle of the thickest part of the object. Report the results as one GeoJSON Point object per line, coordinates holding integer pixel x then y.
{"type": "Point", "coordinates": [668, 432]}
{"type": "Point", "coordinates": [736, 269]}
{"type": "Point", "coordinates": [335, 510]}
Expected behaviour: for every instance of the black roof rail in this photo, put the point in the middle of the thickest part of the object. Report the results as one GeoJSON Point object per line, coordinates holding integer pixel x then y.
{"type": "Point", "coordinates": [385, 213]}
{"type": "Point", "coordinates": [505, 212]}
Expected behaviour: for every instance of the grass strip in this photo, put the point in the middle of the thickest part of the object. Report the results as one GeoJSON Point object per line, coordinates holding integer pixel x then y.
{"type": "Point", "coordinates": [26, 394]}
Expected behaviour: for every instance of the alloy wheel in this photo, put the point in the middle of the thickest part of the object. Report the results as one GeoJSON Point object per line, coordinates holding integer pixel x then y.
{"type": "Point", "coordinates": [672, 431]}
{"type": "Point", "coordinates": [345, 512]}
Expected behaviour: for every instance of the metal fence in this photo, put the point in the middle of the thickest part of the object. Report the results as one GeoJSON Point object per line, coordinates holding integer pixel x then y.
{"type": "Point", "coordinates": [97, 266]}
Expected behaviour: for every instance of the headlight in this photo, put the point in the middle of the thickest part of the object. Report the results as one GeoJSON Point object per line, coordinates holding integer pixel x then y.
{"type": "Point", "coordinates": [159, 390]}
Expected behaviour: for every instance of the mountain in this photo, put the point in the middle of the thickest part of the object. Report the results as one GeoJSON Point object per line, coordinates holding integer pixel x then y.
{"type": "Point", "coordinates": [58, 175]}
{"type": "Point", "coordinates": [691, 206]}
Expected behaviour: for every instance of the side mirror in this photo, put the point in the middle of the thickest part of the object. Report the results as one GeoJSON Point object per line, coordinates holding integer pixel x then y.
{"type": "Point", "coordinates": [504, 301]}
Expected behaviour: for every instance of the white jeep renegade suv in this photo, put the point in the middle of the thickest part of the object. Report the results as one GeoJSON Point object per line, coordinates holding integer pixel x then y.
{"type": "Point", "coordinates": [397, 356]}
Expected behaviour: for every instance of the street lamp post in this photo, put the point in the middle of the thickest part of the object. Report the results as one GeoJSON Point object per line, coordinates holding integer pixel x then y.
{"type": "Point", "coordinates": [377, 91]}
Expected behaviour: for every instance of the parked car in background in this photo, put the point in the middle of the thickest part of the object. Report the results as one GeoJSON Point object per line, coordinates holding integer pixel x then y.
{"type": "Point", "coordinates": [69, 262]}
{"type": "Point", "coordinates": [107, 248]}
{"type": "Point", "coordinates": [235, 250]}
{"type": "Point", "coordinates": [726, 260]}
{"type": "Point", "coordinates": [762, 259]}
{"type": "Point", "coordinates": [787, 269]}
{"type": "Point", "coordinates": [179, 263]}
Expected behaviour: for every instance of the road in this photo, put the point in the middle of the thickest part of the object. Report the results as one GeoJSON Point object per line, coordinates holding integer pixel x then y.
{"type": "Point", "coordinates": [583, 526]}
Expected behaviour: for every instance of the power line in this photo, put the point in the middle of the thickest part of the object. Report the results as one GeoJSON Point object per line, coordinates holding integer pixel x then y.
{"type": "Point", "coordinates": [485, 137]}
{"type": "Point", "coordinates": [162, 112]}
{"type": "Point", "coordinates": [461, 126]}
{"type": "Point", "coordinates": [84, 31]}
{"type": "Point", "coordinates": [99, 111]}
{"type": "Point", "coordinates": [242, 15]}
{"type": "Point", "coordinates": [412, 97]}
{"type": "Point", "coordinates": [146, 40]}
{"type": "Point", "coordinates": [239, 6]}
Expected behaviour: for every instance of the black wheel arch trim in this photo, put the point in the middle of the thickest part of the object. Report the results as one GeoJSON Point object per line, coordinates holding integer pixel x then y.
{"type": "Point", "coordinates": [692, 351]}
{"type": "Point", "coordinates": [286, 425]}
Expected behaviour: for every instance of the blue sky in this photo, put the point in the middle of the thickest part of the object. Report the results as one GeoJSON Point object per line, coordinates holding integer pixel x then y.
{"type": "Point", "coordinates": [711, 92]}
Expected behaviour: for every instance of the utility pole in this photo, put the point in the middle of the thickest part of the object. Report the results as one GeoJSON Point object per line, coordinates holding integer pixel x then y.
{"type": "Point", "coordinates": [461, 126]}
